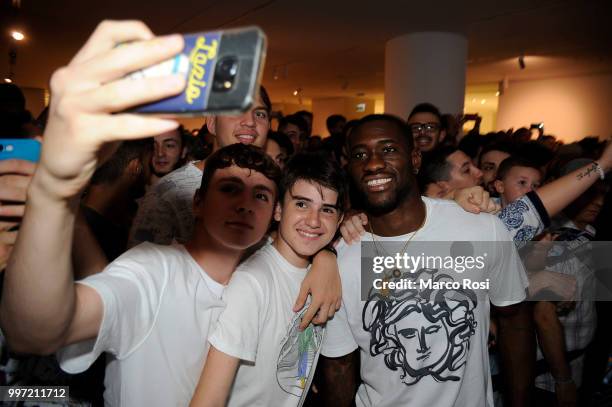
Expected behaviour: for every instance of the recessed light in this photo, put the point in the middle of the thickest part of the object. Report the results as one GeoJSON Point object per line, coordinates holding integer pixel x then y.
{"type": "Point", "coordinates": [17, 35]}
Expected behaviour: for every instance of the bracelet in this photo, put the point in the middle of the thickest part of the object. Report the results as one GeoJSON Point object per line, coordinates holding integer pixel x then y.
{"type": "Point", "coordinates": [600, 171]}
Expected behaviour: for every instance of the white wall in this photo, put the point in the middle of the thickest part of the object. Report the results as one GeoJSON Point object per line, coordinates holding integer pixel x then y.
{"type": "Point", "coordinates": [570, 107]}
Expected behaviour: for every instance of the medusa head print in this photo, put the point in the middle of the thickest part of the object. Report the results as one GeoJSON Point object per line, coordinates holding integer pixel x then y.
{"type": "Point", "coordinates": [422, 332]}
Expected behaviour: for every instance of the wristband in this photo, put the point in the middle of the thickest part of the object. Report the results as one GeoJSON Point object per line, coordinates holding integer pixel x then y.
{"type": "Point", "coordinates": [600, 171]}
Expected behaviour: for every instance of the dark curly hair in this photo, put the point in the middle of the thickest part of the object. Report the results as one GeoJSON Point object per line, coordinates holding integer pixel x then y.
{"type": "Point", "coordinates": [243, 156]}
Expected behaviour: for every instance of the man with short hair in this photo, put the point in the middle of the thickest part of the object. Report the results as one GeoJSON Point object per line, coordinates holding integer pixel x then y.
{"type": "Point", "coordinates": [169, 151]}
{"type": "Point", "coordinates": [491, 157]}
{"type": "Point", "coordinates": [411, 354]}
{"type": "Point", "coordinates": [258, 356]}
{"type": "Point", "coordinates": [308, 117]}
{"type": "Point", "coordinates": [166, 213]}
{"type": "Point", "coordinates": [296, 128]}
{"type": "Point", "coordinates": [447, 169]}
{"type": "Point", "coordinates": [425, 122]}
{"type": "Point", "coordinates": [335, 125]}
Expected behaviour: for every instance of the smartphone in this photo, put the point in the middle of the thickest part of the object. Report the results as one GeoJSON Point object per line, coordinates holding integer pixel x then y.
{"type": "Point", "coordinates": [222, 70]}
{"type": "Point", "coordinates": [21, 148]}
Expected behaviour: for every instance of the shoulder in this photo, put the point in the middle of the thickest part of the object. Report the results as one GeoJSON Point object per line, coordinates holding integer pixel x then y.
{"type": "Point", "coordinates": [183, 178]}
{"type": "Point", "coordinates": [149, 256]}
{"type": "Point", "coordinates": [447, 216]}
{"type": "Point", "coordinates": [257, 269]}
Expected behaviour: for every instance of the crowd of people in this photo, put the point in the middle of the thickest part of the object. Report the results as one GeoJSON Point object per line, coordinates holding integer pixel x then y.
{"type": "Point", "coordinates": [145, 264]}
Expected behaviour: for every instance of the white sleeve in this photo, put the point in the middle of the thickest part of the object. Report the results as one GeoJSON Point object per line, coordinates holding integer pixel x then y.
{"type": "Point", "coordinates": [131, 294]}
{"type": "Point", "coordinates": [238, 327]}
{"type": "Point", "coordinates": [339, 339]}
{"type": "Point", "coordinates": [508, 279]}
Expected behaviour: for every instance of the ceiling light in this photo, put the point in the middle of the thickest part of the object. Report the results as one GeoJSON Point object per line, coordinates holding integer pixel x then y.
{"type": "Point", "coordinates": [17, 36]}
{"type": "Point", "coordinates": [483, 101]}
{"type": "Point", "coordinates": [8, 80]}
{"type": "Point", "coordinates": [295, 92]}
{"type": "Point", "coordinates": [497, 93]}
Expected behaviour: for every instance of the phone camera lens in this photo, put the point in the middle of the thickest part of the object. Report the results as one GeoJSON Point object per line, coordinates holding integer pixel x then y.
{"type": "Point", "coordinates": [225, 74]}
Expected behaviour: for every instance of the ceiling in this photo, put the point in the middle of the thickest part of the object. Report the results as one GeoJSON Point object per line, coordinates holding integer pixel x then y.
{"type": "Point", "coordinates": [336, 48]}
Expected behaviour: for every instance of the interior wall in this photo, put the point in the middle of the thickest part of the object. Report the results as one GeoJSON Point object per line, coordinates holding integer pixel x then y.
{"type": "Point", "coordinates": [570, 107]}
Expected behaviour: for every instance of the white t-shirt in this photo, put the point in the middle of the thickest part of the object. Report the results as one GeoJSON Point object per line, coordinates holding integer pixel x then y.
{"type": "Point", "coordinates": [166, 212]}
{"type": "Point", "coordinates": [417, 352]}
{"type": "Point", "coordinates": [159, 306]}
{"type": "Point", "coordinates": [259, 326]}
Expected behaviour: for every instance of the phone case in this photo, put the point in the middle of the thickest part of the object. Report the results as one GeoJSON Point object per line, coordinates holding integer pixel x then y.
{"type": "Point", "coordinates": [23, 149]}
{"type": "Point", "coordinates": [222, 69]}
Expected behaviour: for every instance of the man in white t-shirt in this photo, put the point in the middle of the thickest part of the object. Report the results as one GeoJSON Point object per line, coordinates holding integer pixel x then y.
{"type": "Point", "coordinates": [166, 214]}
{"type": "Point", "coordinates": [259, 356]}
{"type": "Point", "coordinates": [152, 308]}
{"type": "Point", "coordinates": [418, 348]}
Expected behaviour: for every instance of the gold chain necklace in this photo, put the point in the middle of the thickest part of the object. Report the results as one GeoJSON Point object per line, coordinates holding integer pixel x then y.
{"type": "Point", "coordinates": [395, 272]}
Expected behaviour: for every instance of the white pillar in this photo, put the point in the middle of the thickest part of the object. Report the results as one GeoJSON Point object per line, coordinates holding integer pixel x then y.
{"type": "Point", "coordinates": [425, 67]}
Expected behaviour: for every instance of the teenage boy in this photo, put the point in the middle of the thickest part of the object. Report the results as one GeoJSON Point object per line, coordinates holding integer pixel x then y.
{"type": "Point", "coordinates": [152, 308]}
{"type": "Point", "coordinates": [256, 345]}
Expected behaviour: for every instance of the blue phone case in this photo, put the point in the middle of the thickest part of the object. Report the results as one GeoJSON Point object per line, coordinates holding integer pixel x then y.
{"type": "Point", "coordinates": [23, 149]}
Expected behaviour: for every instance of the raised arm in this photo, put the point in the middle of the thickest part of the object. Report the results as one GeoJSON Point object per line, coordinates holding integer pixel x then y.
{"type": "Point", "coordinates": [41, 309]}
{"type": "Point", "coordinates": [556, 195]}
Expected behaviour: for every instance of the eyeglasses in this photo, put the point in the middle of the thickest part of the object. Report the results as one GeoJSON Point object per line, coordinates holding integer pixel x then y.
{"type": "Point", "coordinates": [429, 128]}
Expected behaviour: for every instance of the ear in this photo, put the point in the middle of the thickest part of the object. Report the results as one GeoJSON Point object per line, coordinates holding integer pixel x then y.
{"type": "Point", "coordinates": [416, 160]}
{"type": "Point", "coordinates": [211, 125]}
{"type": "Point", "coordinates": [442, 135]}
{"type": "Point", "coordinates": [499, 186]}
{"type": "Point", "coordinates": [183, 152]}
{"type": "Point", "coordinates": [278, 212]}
{"type": "Point", "coordinates": [443, 188]}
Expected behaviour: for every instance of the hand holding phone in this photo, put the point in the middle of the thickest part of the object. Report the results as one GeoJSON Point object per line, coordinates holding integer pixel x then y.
{"type": "Point", "coordinates": [222, 70]}
{"type": "Point", "coordinates": [81, 130]}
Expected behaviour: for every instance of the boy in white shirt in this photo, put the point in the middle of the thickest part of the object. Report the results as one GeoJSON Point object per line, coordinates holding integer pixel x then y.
{"type": "Point", "coordinates": [256, 345]}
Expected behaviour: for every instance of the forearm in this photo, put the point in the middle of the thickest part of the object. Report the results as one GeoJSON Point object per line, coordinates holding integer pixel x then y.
{"type": "Point", "coordinates": [516, 342]}
{"type": "Point", "coordinates": [340, 376]}
{"type": "Point", "coordinates": [38, 296]}
{"type": "Point", "coordinates": [556, 195]}
{"type": "Point", "coordinates": [216, 380]}
{"type": "Point", "coordinates": [551, 339]}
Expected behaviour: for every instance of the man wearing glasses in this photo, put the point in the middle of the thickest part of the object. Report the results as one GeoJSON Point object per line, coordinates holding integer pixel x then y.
{"type": "Point", "coordinates": [425, 121]}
